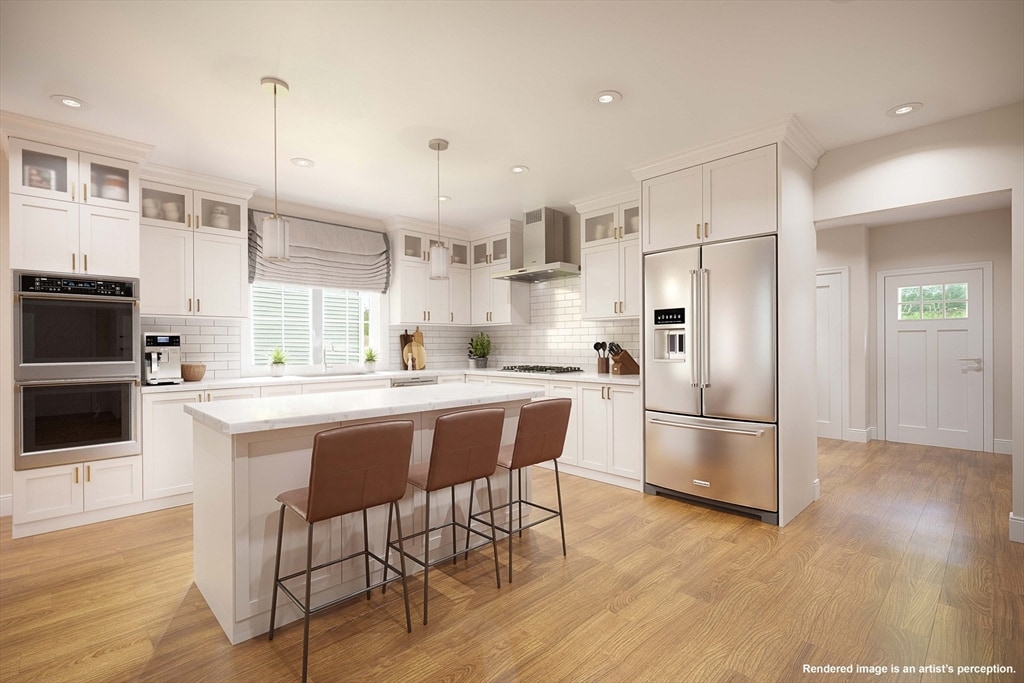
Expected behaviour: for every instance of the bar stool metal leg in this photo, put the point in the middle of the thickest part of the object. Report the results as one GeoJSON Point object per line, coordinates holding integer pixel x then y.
{"type": "Point", "coordinates": [510, 499]}
{"type": "Point", "coordinates": [277, 572]}
{"type": "Point", "coordinates": [309, 582]}
{"type": "Point", "coordinates": [494, 533]}
{"type": "Point", "coordinates": [366, 553]}
{"type": "Point", "coordinates": [426, 557]}
{"type": "Point", "coordinates": [558, 492]}
{"type": "Point", "coordinates": [401, 560]}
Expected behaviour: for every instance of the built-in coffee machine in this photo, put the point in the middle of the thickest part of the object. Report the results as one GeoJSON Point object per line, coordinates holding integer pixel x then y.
{"type": "Point", "coordinates": [161, 359]}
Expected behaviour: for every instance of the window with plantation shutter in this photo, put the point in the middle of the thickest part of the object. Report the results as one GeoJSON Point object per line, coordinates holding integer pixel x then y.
{"type": "Point", "coordinates": [311, 325]}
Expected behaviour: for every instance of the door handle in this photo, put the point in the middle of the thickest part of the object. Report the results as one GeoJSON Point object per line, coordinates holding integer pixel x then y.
{"type": "Point", "coordinates": [696, 338]}
{"type": "Point", "coordinates": [705, 342]}
{"type": "Point", "coordinates": [728, 430]}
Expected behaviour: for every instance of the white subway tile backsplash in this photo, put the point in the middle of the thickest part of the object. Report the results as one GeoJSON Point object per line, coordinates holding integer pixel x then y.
{"type": "Point", "coordinates": [217, 343]}
{"type": "Point", "coordinates": [556, 336]}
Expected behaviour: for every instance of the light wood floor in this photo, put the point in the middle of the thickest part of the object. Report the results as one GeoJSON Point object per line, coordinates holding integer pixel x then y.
{"type": "Point", "coordinates": [904, 560]}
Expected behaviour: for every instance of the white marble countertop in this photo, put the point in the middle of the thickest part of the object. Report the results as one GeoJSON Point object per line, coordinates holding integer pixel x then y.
{"type": "Point", "coordinates": [586, 376]}
{"type": "Point", "coordinates": [277, 412]}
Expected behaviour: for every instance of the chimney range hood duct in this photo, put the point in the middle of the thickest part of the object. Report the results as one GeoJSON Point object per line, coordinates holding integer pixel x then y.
{"type": "Point", "coordinates": [544, 247]}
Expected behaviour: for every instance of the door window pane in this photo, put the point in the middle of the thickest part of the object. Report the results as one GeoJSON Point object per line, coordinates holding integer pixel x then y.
{"type": "Point", "coordinates": [933, 302]}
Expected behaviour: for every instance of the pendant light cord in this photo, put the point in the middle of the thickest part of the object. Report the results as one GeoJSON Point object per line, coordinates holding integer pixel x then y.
{"type": "Point", "coordinates": [439, 194]}
{"type": "Point", "coordinates": [275, 150]}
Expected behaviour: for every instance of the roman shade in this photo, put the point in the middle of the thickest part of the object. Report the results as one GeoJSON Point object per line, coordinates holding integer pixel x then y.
{"type": "Point", "coordinates": [323, 255]}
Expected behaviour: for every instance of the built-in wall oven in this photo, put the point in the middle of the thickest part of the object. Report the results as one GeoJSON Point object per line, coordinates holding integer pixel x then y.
{"type": "Point", "coordinates": [76, 368]}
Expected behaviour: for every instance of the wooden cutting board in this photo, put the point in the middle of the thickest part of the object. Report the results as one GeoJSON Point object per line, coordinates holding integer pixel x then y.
{"type": "Point", "coordinates": [419, 356]}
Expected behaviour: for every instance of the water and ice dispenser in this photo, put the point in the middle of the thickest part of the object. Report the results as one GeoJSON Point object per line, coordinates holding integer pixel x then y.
{"type": "Point", "coordinates": [670, 334]}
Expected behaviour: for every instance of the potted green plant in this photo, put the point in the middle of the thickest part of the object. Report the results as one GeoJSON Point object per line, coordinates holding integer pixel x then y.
{"type": "Point", "coordinates": [370, 359]}
{"type": "Point", "coordinates": [479, 349]}
{"type": "Point", "coordinates": [278, 358]}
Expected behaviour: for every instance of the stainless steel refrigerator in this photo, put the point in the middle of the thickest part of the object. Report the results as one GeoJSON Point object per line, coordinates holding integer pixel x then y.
{"type": "Point", "coordinates": [710, 375]}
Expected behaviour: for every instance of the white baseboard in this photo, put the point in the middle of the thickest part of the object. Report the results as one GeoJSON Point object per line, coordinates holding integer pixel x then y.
{"type": "Point", "coordinates": [6, 505]}
{"type": "Point", "coordinates": [1003, 446]}
{"type": "Point", "coordinates": [1016, 528]}
{"type": "Point", "coordinates": [860, 435]}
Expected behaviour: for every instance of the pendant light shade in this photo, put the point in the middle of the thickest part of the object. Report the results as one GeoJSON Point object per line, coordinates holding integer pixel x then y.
{"type": "Point", "coordinates": [439, 255]}
{"type": "Point", "coordinates": [275, 228]}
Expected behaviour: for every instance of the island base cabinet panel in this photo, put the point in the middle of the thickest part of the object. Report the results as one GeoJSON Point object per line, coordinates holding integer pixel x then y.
{"type": "Point", "coordinates": [570, 451]}
{"type": "Point", "coordinates": [51, 492]}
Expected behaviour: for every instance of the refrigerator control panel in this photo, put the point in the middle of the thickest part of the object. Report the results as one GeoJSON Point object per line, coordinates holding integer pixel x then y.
{"type": "Point", "coordinates": [670, 334]}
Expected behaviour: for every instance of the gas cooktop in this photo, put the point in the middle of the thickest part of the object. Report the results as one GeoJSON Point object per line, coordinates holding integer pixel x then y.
{"type": "Point", "coordinates": [555, 369]}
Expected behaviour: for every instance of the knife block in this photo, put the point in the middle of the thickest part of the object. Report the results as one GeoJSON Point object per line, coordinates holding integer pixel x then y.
{"type": "Point", "coordinates": [624, 364]}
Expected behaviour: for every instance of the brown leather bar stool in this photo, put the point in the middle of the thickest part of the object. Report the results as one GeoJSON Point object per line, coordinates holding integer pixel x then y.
{"type": "Point", "coordinates": [465, 449]}
{"type": "Point", "coordinates": [540, 437]}
{"type": "Point", "coordinates": [352, 469]}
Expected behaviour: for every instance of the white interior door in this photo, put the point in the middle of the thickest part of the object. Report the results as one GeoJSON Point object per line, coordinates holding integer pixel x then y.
{"type": "Point", "coordinates": [830, 355]}
{"type": "Point", "coordinates": [935, 358]}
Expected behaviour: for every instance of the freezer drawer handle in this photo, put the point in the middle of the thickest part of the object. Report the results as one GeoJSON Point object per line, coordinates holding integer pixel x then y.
{"type": "Point", "coordinates": [701, 482]}
{"type": "Point", "coordinates": [730, 430]}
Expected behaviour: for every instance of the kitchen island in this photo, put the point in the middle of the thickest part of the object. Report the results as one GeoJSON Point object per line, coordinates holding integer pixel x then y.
{"type": "Point", "coordinates": [248, 451]}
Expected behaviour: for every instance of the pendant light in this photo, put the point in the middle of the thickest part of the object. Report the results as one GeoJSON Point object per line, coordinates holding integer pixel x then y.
{"type": "Point", "coordinates": [275, 228]}
{"type": "Point", "coordinates": [439, 257]}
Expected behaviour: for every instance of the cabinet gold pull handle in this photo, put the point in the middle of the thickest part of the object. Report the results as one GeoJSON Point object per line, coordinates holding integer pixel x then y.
{"type": "Point", "coordinates": [451, 317]}
{"type": "Point", "coordinates": [72, 262]}
{"type": "Point", "coordinates": [705, 231]}
{"type": "Point", "coordinates": [190, 305]}
{"type": "Point", "coordinates": [200, 397]}
{"type": "Point", "coordinates": [85, 192]}
{"type": "Point", "coordinates": [76, 474]}
{"type": "Point", "coordinates": [188, 220]}
{"type": "Point", "coordinates": [698, 231]}
{"type": "Point", "coordinates": [72, 193]}
{"type": "Point", "coordinates": [88, 473]}
{"type": "Point", "coordinates": [198, 304]}
{"type": "Point", "coordinates": [85, 263]}
{"type": "Point", "coordinates": [208, 396]}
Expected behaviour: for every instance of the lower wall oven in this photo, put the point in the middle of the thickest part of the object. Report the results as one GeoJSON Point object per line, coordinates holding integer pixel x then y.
{"type": "Point", "coordinates": [67, 421]}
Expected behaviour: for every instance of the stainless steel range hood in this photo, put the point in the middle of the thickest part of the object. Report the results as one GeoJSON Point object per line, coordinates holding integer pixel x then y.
{"type": "Point", "coordinates": [544, 247]}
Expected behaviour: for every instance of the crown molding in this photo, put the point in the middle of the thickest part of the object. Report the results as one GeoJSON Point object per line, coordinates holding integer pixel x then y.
{"type": "Point", "coordinates": [38, 130]}
{"type": "Point", "coordinates": [175, 176]}
{"type": "Point", "coordinates": [789, 132]}
{"type": "Point", "coordinates": [605, 200]}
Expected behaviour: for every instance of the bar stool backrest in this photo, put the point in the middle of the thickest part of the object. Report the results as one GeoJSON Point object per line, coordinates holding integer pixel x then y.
{"type": "Point", "coordinates": [541, 433]}
{"type": "Point", "coordinates": [465, 447]}
{"type": "Point", "coordinates": [358, 467]}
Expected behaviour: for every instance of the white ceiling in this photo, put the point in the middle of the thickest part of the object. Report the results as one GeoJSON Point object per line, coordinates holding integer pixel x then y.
{"type": "Point", "coordinates": [505, 82]}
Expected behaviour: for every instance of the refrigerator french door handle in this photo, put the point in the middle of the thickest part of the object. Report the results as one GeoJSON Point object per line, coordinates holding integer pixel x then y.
{"type": "Point", "coordinates": [695, 349]}
{"type": "Point", "coordinates": [705, 335]}
{"type": "Point", "coordinates": [730, 430]}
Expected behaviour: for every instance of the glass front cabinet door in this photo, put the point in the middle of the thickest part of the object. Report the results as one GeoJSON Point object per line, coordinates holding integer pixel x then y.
{"type": "Point", "coordinates": [51, 172]}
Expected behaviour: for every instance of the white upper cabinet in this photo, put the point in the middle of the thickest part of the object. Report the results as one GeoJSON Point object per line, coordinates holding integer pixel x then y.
{"type": "Point", "coordinates": [72, 212]}
{"type": "Point", "coordinates": [414, 296]}
{"type": "Point", "coordinates": [610, 224]}
{"type": "Point", "coordinates": [610, 257]}
{"type": "Point", "coordinates": [51, 172]}
{"type": "Point", "coordinates": [194, 245]}
{"type": "Point", "coordinates": [732, 197]}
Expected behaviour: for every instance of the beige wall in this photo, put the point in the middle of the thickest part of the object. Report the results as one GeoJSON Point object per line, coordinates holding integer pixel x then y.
{"type": "Point", "coordinates": [969, 238]}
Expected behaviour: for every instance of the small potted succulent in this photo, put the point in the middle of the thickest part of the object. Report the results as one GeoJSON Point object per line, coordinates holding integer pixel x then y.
{"type": "Point", "coordinates": [479, 349]}
{"type": "Point", "coordinates": [370, 359]}
{"type": "Point", "coordinates": [278, 358]}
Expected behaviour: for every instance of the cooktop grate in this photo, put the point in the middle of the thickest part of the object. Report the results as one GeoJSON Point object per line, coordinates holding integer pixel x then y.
{"type": "Point", "coordinates": [554, 369]}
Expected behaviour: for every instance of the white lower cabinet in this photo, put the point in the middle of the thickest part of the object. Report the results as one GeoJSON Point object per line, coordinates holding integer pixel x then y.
{"type": "Point", "coordinates": [167, 437]}
{"type": "Point", "coordinates": [610, 429]}
{"type": "Point", "coordinates": [280, 390]}
{"type": "Point", "coordinates": [571, 450]}
{"type": "Point", "coordinates": [69, 489]}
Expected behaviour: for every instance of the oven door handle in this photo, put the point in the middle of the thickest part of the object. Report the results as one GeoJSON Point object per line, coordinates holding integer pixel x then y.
{"type": "Point", "coordinates": [74, 297]}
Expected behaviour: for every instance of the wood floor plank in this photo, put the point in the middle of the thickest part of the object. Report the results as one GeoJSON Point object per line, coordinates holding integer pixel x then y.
{"type": "Point", "coordinates": [903, 560]}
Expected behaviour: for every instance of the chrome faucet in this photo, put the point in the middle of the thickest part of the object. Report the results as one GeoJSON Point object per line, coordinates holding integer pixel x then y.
{"type": "Point", "coordinates": [326, 344]}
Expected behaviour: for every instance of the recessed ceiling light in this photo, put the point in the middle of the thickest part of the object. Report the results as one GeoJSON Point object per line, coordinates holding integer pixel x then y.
{"type": "Point", "coordinates": [608, 97]}
{"type": "Point", "coordinates": [443, 198]}
{"type": "Point", "coordinates": [904, 109]}
{"type": "Point", "coordinates": [519, 168]}
{"type": "Point", "coordinates": [303, 162]}
{"type": "Point", "coordinates": [68, 101]}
